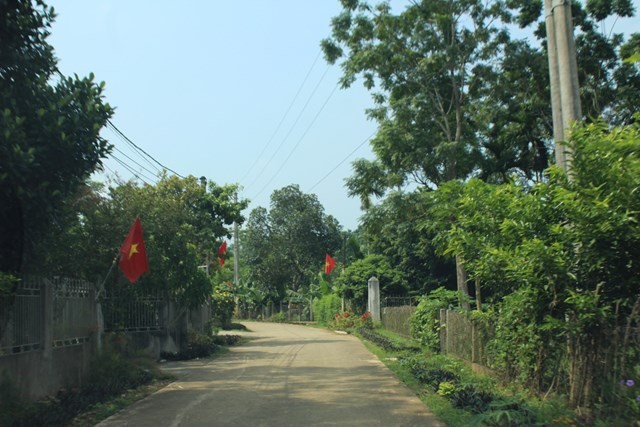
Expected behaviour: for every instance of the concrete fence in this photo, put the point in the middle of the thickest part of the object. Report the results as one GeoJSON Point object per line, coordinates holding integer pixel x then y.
{"type": "Point", "coordinates": [46, 332]}
{"type": "Point", "coordinates": [51, 328]}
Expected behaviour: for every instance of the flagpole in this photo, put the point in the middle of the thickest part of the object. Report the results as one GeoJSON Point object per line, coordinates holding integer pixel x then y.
{"type": "Point", "coordinates": [113, 264]}
{"type": "Point", "coordinates": [99, 316]}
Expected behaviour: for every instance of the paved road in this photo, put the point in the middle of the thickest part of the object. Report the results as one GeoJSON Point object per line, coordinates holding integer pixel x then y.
{"type": "Point", "coordinates": [288, 375]}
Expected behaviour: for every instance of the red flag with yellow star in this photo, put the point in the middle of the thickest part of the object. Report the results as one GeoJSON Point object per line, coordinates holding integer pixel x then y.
{"type": "Point", "coordinates": [222, 251]}
{"type": "Point", "coordinates": [133, 255]}
{"type": "Point", "coordinates": [329, 263]}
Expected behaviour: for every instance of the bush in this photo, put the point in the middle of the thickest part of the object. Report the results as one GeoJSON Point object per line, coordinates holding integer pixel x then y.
{"type": "Point", "coordinates": [470, 398]}
{"type": "Point", "coordinates": [425, 321]}
{"type": "Point", "coordinates": [198, 345]}
{"type": "Point", "coordinates": [279, 317]}
{"type": "Point", "coordinates": [236, 327]}
{"type": "Point", "coordinates": [226, 340]}
{"type": "Point", "coordinates": [325, 308]}
{"type": "Point", "coordinates": [222, 306]}
{"type": "Point", "coordinates": [383, 342]}
{"type": "Point", "coordinates": [346, 321]}
{"type": "Point", "coordinates": [430, 372]}
{"type": "Point", "coordinates": [8, 283]}
{"type": "Point", "coordinates": [511, 413]}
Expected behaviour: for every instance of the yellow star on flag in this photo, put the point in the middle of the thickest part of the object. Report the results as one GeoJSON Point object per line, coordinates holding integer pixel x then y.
{"type": "Point", "coordinates": [133, 249]}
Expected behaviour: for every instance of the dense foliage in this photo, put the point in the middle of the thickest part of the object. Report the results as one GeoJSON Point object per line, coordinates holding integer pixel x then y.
{"type": "Point", "coordinates": [285, 247]}
{"type": "Point", "coordinates": [50, 141]}
{"type": "Point", "coordinates": [458, 95]}
{"type": "Point", "coordinates": [425, 321]}
{"type": "Point", "coordinates": [352, 284]}
{"type": "Point", "coordinates": [559, 260]}
{"type": "Point", "coordinates": [326, 307]}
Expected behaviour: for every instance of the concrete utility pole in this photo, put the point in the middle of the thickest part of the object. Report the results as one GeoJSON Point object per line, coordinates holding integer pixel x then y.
{"type": "Point", "coordinates": [235, 249]}
{"type": "Point", "coordinates": [563, 74]}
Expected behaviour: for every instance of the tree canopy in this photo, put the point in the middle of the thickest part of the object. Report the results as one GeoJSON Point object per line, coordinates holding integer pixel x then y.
{"type": "Point", "coordinates": [50, 141]}
{"type": "Point", "coordinates": [285, 246]}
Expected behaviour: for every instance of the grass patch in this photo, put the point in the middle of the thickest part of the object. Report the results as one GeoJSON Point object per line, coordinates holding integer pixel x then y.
{"type": "Point", "coordinates": [440, 406]}
{"type": "Point", "coordinates": [458, 396]}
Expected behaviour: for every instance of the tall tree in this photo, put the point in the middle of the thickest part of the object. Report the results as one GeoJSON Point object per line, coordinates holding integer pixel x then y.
{"type": "Point", "coordinates": [423, 61]}
{"type": "Point", "coordinates": [50, 140]}
{"type": "Point", "coordinates": [606, 84]}
{"type": "Point", "coordinates": [285, 246]}
{"type": "Point", "coordinates": [419, 65]}
{"type": "Point", "coordinates": [183, 223]}
{"type": "Point", "coordinates": [392, 228]}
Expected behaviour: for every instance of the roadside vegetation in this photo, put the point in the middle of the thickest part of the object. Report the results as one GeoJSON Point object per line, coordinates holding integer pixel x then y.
{"type": "Point", "coordinates": [450, 388]}
{"type": "Point", "coordinates": [462, 208]}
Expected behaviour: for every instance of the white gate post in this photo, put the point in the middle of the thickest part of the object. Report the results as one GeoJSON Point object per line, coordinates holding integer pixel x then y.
{"type": "Point", "coordinates": [373, 305]}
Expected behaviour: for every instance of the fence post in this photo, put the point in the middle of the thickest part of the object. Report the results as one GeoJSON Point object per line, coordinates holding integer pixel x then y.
{"type": "Point", "coordinates": [449, 336]}
{"type": "Point", "coordinates": [99, 318]}
{"type": "Point", "coordinates": [443, 331]}
{"type": "Point", "coordinates": [47, 319]}
{"type": "Point", "coordinates": [374, 298]}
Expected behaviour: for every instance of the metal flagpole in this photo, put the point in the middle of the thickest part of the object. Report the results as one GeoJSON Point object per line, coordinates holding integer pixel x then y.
{"type": "Point", "coordinates": [101, 287]}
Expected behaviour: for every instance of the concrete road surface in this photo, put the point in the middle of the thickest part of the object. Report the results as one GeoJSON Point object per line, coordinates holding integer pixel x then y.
{"type": "Point", "coordinates": [288, 375]}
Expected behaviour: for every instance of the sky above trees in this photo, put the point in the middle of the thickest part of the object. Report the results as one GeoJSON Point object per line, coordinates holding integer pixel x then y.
{"type": "Point", "coordinates": [236, 92]}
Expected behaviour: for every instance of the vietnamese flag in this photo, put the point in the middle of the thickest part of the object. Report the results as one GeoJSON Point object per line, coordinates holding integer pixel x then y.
{"type": "Point", "coordinates": [222, 250]}
{"type": "Point", "coordinates": [329, 263]}
{"type": "Point", "coordinates": [133, 255]}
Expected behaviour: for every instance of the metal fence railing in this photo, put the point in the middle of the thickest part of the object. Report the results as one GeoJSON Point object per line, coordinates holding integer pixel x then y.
{"type": "Point", "coordinates": [21, 318]}
{"type": "Point", "coordinates": [142, 313]}
{"type": "Point", "coordinates": [399, 301]}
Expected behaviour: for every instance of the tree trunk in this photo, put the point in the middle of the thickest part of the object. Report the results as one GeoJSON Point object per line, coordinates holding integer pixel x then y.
{"type": "Point", "coordinates": [478, 296]}
{"type": "Point", "coordinates": [461, 279]}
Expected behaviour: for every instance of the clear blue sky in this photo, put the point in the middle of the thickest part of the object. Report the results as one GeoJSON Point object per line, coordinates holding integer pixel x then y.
{"type": "Point", "coordinates": [203, 86]}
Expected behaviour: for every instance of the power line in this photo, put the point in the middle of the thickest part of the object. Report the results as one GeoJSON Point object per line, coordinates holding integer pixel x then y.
{"type": "Point", "coordinates": [125, 138]}
{"type": "Point", "coordinates": [343, 160]}
{"type": "Point", "coordinates": [299, 141]}
{"type": "Point", "coordinates": [131, 170]}
{"type": "Point", "coordinates": [142, 156]}
{"type": "Point", "coordinates": [124, 154]}
{"type": "Point", "coordinates": [140, 149]}
{"type": "Point", "coordinates": [304, 81]}
{"type": "Point", "coordinates": [291, 128]}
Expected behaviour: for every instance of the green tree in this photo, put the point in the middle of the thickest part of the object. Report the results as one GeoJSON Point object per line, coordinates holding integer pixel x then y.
{"type": "Point", "coordinates": [419, 65]}
{"type": "Point", "coordinates": [352, 283]}
{"type": "Point", "coordinates": [50, 141]}
{"type": "Point", "coordinates": [607, 85]}
{"type": "Point", "coordinates": [393, 228]}
{"type": "Point", "coordinates": [560, 261]}
{"type": "Point", "coordinates": [422, 66]}
{"type": "Point", "coordinates": [285, 246]}
{"type": "Point", "coordinates": [183, 223]}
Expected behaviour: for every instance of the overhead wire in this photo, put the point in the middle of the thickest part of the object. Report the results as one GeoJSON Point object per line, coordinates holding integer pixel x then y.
{"type": "Point", "coordinates": [125, 154]}
{"type": "Point", "coordinates": [343, 160]}
{"type": "Point", "coordinates": [135, 146]}
{"type": "Point", "coordinates": [304, 81]}
{"type": "Point", "coordinates": [299, 141]}
{"type": "Point", "coordinates": [138, 175]}
{"type": "Point", "coordinates": [142, 156]}
{"type": "Point", "coordinates": [291, 128]}
{"type": "Point", "coordinates": [141, 150]}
